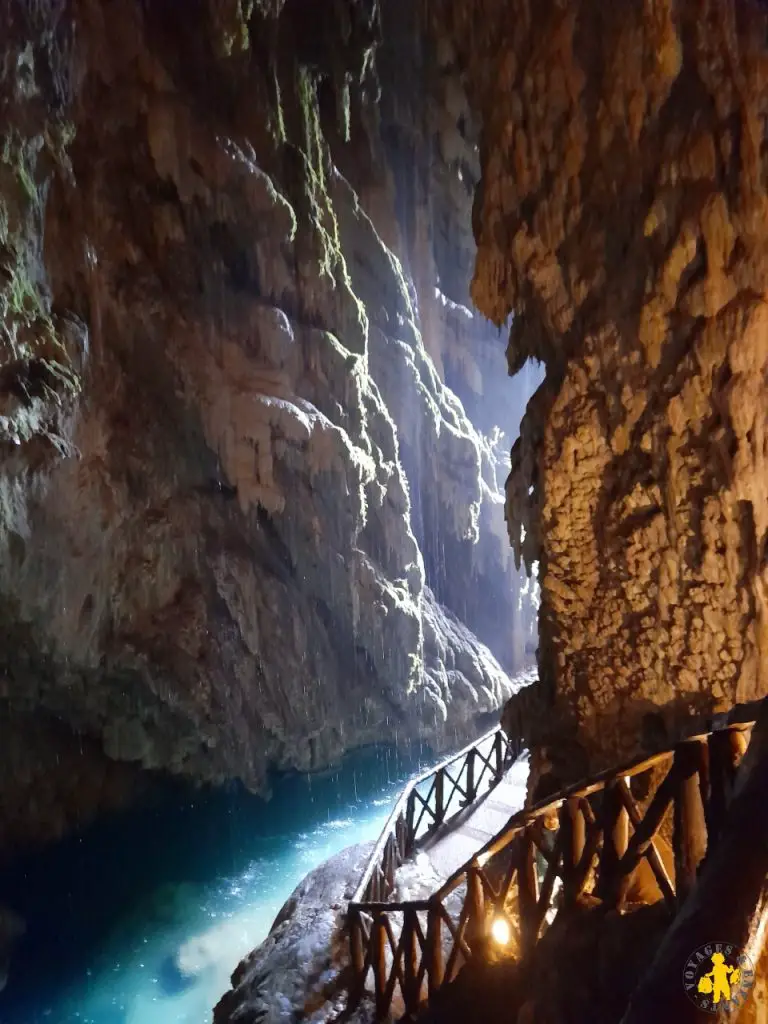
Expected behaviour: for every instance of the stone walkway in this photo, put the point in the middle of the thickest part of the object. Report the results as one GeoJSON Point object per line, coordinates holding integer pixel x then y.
{"type": "Point", "coordinates": [463, 838]}
{"type": "Point", "coordinates": [448, 850]}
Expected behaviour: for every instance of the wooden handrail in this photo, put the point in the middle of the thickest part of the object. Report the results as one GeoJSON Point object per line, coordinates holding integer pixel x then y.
{"type": "Point", "coordinates": [390, 906]}
{"type": "Point", "coordinates": [400, 833]}
{"type": "Point", "coordinates": [594, 851]}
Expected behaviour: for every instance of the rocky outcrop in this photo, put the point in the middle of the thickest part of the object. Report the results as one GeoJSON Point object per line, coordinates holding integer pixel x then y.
{"type": "Point", "coordinates": [298, 971]}
{"type": "Point", "coordinates": [243, 519]}
{"type": "Point", "coordinates": [621, 217]}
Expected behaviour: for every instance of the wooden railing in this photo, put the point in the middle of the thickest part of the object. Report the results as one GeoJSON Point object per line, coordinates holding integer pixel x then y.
{"type": "Point", "coordinates": [429, 802]}
{"type": "Point", "coordinates": [587, 842]}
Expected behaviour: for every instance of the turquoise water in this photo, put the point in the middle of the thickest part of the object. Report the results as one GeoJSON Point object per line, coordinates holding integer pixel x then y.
{"type": "Point", "coordinates": [143, 917]}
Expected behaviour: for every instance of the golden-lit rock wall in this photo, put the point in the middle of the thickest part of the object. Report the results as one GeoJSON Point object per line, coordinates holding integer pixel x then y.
{"type": "Point", "coordinates": [623, 217]}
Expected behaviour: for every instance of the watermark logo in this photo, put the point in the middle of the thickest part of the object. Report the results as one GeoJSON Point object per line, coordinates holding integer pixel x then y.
{"type": "Point", "coordinates": [717, 977]}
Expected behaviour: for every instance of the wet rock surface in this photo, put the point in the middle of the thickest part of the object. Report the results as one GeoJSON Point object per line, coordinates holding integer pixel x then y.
{"type": "Point", "coordinates": [297, 971]}
{"type": "Point", "coordinates": [243, 520]}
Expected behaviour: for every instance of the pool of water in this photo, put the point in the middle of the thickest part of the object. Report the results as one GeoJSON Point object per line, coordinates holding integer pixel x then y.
{"type": "Point", "coordinates": [142, 918]}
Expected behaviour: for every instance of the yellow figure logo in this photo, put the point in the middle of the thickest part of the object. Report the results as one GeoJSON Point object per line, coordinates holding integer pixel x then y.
{"type": "Point", "coordinates": [718, 977]}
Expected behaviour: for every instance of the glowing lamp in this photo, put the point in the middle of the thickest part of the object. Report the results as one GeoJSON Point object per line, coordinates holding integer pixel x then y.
{"type": "Point", "coordinates": [501, 933]}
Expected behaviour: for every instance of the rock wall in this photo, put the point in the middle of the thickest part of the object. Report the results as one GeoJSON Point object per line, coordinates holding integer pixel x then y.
{"type": "Point", "coordinates": [243, 520]}
{"type": "Point", "coordinates": [622, 217]}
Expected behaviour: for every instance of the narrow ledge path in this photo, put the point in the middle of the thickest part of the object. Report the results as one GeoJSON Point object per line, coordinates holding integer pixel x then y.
{"type": "Point", "coordinates": [460, 839]}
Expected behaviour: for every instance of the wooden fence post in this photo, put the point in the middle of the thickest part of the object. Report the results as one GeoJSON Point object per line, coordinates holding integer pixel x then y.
{"type": "Point", "coordinates": [379, 940]}
{"type": "Point", "coordinates": [690, 829]}
{"type": "Point", "coordinates": [410, 944]}
{"type": "Point", "coordinates": [435, 957]}
{"type": "Point", "coordinates": [401, 836]}
{"type": "Point", "coordinates": [470, 777]}
{"type": "Point", "coordinates": [527, 892]}
{"type": "Point", "coordinates": [498, 755]}
{"type": "Point", "coordinates": [615, 823]}
{"type": "Point", "coordinates": [573, 829]}
{"type": "Point", "coordinates": [390, 866]}
{"type": "Point", "coordinates": [439, 801]}
{"type": "Point", "coordinates": [357, 957]}
{"type": "Point", "coordinates": [410, 815]}
{"type": "Point", "coordinates": [476, 915]}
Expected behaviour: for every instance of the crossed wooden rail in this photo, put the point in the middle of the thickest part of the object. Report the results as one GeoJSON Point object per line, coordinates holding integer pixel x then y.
{"type": "Point", "coordinates": [588, 840]}
{"type": "Point", "coordinates": [430, 801]}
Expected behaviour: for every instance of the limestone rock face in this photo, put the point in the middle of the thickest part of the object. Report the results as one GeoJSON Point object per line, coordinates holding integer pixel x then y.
{"type": "Point", "coordinates": [296, 973]}
{"type": "Point", "coordinates": [243, 519]}
{"type": "Point", "coordinates": [621, 216]}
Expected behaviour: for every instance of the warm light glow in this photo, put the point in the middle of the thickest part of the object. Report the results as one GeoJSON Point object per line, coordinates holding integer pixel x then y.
{"type": "Point", "coordinates": [501, 933]}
